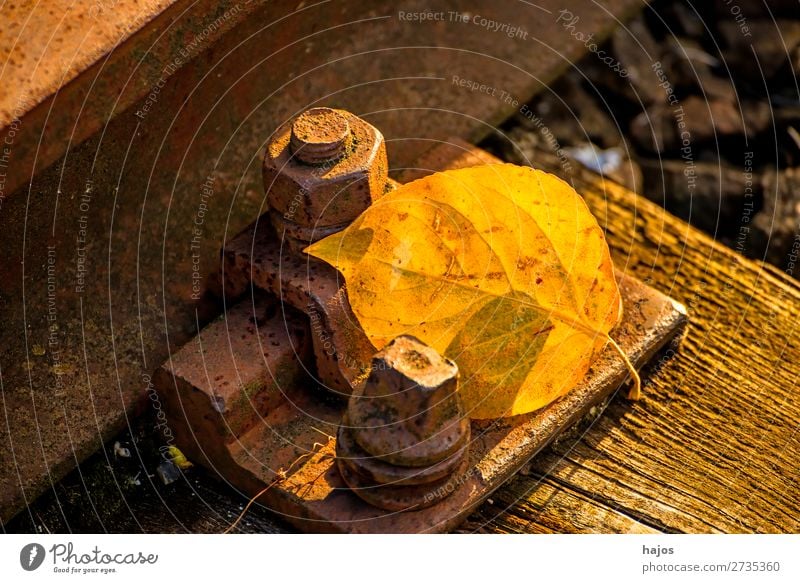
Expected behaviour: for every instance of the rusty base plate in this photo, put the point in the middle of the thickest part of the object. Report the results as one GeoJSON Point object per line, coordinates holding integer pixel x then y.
{"type": "Point", "coordinates": [221, 399]}
{"type": "Point", "coordinates": [314, 497]}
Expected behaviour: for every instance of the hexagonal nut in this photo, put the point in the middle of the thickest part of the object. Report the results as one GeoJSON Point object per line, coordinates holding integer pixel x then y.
{"type": "Point", "coordinates": [409, 411]}
{"type": "Point", "coordinates": [328, 193]}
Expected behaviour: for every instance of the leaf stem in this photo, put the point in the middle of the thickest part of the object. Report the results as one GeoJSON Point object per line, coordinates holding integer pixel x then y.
{"type": "Point", "coordinates": [636, 390]}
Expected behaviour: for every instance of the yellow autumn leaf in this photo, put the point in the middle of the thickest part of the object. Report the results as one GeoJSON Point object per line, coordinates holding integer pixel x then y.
{"type": "Point", "coordinates": [502, 268]}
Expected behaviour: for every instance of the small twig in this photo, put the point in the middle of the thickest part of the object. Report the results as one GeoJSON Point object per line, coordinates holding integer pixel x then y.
{"type": "Point", "coordinates": [280, 477]}
{"type": "Point", "coordinates": [330, 437]}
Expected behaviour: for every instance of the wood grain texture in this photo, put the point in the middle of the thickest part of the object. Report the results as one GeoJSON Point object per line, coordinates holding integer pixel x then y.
{"type": "Point", "coordinates": [536, 505]}
{"type": "Point", "coordinates": [713, 444]}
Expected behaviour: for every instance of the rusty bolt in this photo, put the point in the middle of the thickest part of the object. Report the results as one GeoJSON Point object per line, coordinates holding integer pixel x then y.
{"type": "Point", "coordinates": [322, 170]}
{"type": "Point", "coordinates": [409, 412]}
{"type": "Point", "coordinates": [320, 135]}
{"type": "Point", "coordinates": [404, 435]}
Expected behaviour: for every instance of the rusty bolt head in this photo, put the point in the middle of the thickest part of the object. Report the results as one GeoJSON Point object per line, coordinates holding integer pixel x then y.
{"type": "Point", "coordinates": [324, 168]}
{"type": "Point", "coordinates": [403, 443]}
{"type": "Point", "coordinates": [409, 411]}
